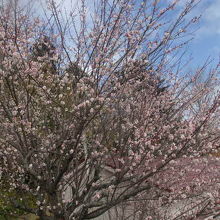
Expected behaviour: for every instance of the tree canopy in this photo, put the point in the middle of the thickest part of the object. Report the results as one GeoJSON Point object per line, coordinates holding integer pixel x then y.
{"type": "Point", "coordinates": [104, 116]}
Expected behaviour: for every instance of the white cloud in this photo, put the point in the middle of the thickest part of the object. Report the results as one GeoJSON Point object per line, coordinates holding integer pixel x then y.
{"type": "Point", "coordinates": [67, 5]}
{"type": "Point", "coordinates": [210, 24]}
{"type": "Point", "coordinates": [213, 11]}
{"type": "Point", "coordinates": [210, 11]}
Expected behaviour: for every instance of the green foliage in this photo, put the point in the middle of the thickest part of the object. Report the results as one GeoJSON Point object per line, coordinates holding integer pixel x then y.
{"type": "Point", "coordinates": [10, 199]}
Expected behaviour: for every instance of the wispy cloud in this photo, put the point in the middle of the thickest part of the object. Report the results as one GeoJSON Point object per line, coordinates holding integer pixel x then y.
{"type": "Point", "coordinates": [210, 24]}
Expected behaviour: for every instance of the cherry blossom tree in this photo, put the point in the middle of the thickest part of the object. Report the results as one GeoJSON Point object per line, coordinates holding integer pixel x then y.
{"type": "Point", "coordinates": [103, 112]}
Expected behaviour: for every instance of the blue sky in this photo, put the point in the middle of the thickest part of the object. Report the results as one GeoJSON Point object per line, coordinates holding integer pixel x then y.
{"type": "Point", "coordinates": [206, 42]}
{"type": "Point", "coordinates": [207, 38]}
